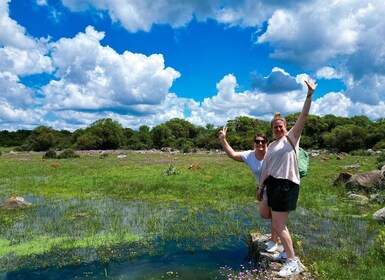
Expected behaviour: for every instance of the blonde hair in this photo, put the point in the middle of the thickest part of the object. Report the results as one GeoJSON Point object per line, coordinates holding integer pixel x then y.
{"type": "Point", "coordinates": [277, 116]}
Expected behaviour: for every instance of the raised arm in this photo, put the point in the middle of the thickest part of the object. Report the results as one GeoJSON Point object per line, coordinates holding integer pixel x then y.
{"type": "Point", "coordinates": [300, 123]}
{"type": "Point", "coordinates": [229, 151]}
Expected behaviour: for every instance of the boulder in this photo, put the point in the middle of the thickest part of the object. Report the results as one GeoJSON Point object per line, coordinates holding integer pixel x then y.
{"type": "Point", "coordinates": [380, 215]}
{"type": "Point", "coordinates": [15, 202]}
{"type": "Point", "coordinates": [366, 182]}
{"type": "Point", "coordinates": [342, 178]}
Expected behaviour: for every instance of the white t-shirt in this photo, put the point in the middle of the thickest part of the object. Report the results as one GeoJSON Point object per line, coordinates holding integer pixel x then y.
{"type": "Point", "coordinates": [282, 160]}
{"type": "Point", "coordinates": [253, 163]}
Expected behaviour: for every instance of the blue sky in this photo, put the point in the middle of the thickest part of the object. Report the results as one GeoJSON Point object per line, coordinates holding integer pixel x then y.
{"type": "Point", "coordinates": [68, 63]}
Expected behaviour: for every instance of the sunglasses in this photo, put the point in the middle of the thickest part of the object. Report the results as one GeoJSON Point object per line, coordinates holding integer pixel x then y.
{"type": "Point", "coordinates": [259, 141]}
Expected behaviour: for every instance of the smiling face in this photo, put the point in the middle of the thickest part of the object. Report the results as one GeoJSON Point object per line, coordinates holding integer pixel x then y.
{"type": "Point", "coordinates": [260, 143]}
{"type": "Point", "coordinates": [279, 128]}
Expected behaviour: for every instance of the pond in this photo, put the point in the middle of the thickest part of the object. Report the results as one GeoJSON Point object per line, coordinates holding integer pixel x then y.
{"type": "Point", "coordinates": [172, 263]}
{"type": "Point", "coordinates": [114, 239]}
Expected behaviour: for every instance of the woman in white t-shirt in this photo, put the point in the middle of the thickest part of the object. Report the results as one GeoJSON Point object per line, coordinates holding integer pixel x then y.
{"type": "Point", "coordinates": [281, 176]}
{"type": "Point", "coordinates": [254, 160]}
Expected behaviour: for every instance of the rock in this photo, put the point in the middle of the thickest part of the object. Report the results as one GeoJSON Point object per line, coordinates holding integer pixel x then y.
{"type": "Point", "coordinates": [380, 215]}
{"type": "Point", "coordinates": [342, 178]}
{"type": "Point", "coordinates": [263, 261]}
{"type": "Point", "coordinates": [353, 167]}
{"type": "Point", "coordinates": [358, 197]}
{"type": "Point", "coordinates": [367, 181]}
{"type": "Point", "coordinates": [377, 198]}
{"type": "Point", "coordinates": [15, 202]}
{"type": "Point", "coordinates": [194, 166]}
{"type": "Point", "coordinates": [121, 156]}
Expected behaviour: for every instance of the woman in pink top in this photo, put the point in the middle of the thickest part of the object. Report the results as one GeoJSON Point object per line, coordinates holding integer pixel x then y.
{"type": "Point", "coordinates": [282, 179]}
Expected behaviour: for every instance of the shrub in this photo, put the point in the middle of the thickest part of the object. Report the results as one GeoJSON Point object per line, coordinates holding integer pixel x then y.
{"type": "Point", "coordinates": [50, 154]}
{"type": "Point", "coordinates": [379, 146]}
{"type": "Point", "coordinates": [171, 170]}
{"type": "Point", "coordinates": [68, 153]}
{"type": "Point", "coordinates": [381, 160]}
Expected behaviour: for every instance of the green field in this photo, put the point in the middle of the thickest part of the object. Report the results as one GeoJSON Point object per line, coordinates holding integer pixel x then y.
{"type": "Point", "coordinates": [106, 208]}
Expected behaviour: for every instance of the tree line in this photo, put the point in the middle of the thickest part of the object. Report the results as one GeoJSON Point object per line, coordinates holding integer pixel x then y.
{"type": "Point", "coordinates": [340, 134]}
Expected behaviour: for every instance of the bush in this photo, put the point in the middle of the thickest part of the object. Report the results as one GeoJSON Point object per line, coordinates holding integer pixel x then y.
{"type": "Point", "coordinates": [379, 146]}
{"type": "Point", "coordinates": [50, 154]}
{"type": "Point", "coordinates": [68, 153]}
{"type": "Point", "coordinates": [171, 170]}
{"type": "Point", "coordinates": [381, 160]}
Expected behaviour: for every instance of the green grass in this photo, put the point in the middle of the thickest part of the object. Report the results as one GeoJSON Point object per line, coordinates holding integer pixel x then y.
{"type": "Point", "coordinates": [110, 205]}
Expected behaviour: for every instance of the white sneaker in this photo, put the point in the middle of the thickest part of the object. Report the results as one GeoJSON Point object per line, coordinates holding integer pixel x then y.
{"type": "Point", "coordinates": [290, 268]}
{"type": "Point", "coordinates": [271, 246]}
{"type": "Point", "coordinates": [279, 256]}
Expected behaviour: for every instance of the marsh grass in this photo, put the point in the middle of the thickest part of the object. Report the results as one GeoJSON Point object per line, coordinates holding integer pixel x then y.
{"type": "Point", "coordinates": [92, 208]}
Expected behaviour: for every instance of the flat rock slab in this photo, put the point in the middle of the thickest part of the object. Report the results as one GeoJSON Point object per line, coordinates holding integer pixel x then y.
{"type": "Point", "coordinates": [264, 260]}
{"type": "Point", "coordinates": [15, 202]}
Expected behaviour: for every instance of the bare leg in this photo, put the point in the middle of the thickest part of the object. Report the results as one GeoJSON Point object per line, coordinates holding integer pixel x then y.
{"type": "Point", "coordinates": [265, 213]}
{"type": "Point", "coordinates": [279, 221]}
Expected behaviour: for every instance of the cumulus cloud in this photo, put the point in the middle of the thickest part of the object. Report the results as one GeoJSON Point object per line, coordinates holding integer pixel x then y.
{"type": "Point", "coordinates": [337, 103]}
{"type": "Point", "coordinates": [12, 34]}
{"type": "Point", "coordinates": [341, 40]}
{"type": "Point", "coordinates": [142, 15]}
{"type": "Point", "coordinates": [93, 77]}
{"type": "Point", "coordinates": [14, 93]}
{"type": "Point", "coordinates": [18, 108]}
{"type": "Point", "coordinates": [312, 34]}
{"type": "Point", "coordinates": [368, 90]}
{"type": "Point", "coordinates": [278, 81]}
{"type": "Point", "coordinates": [328, 73]}
{"type": "Point", "coordinates": [24, 62]}
{"type": "Point", "coordinates": [230, 103]}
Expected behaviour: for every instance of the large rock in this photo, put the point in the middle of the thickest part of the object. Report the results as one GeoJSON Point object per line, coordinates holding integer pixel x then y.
{"type": "Point", "coordinates": [366, 182]}
{"type": "Point", "coordinates": [380, 215]}
{"type": "Point", "coordinates": [15, 202]}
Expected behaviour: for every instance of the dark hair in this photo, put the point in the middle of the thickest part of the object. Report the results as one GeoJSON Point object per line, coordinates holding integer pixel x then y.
{"type": "Point", "coordinates": [262, 136]}
{"type": "Point", "coordinates": [277, 116]}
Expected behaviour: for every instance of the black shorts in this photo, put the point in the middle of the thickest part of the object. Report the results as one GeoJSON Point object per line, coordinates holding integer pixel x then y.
{"type": "Point", "coordinates": [282, 194]}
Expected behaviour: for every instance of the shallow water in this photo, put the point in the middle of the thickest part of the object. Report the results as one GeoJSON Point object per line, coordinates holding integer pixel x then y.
{"type": "Point", "coordinates": [172, 264]}
{"type": "Point", "coordinates": [202, 250]}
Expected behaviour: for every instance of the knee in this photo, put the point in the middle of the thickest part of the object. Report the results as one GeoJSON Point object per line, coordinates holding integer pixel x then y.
{"type": "Point", "coordinates": [265, 215]}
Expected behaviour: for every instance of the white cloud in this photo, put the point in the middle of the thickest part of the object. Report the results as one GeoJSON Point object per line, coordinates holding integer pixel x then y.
{"type": "Point", "coordinates": [229, 104]}
{"type": "Point", "coordinates": [341, 40]}
{"type": "Point", "coordinates": [24, 62]}
{"type": "Point", "coordinates": [332, 103]}
{"type": "Point", "coordinates": [15, 93]}
{"type": "Point", "coordinates": [338, 104]}
{"type": "Point", "coordinates": [328, 73]}
{"type": "Point", "coordinates": [367, 90]}
{"type": "Point", "coordinates": [12, 34]}
{"type": "Point", "coordinates": [313, 34]}
{"type": "Point", "coordinates": [93, 77]}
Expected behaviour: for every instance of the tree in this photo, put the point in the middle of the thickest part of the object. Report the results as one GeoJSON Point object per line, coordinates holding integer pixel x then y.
{"type": "Point", "coordinates": [242, 131]}
{"type": "Point", "coordinates": [345, 138]}
{"type": "Point", "coordinates": [162, 136]}
{"type": "Point", "coordinates": [363, 121]}
{"type": "Point", "coordinates": [333, 121]}
{"type": "Point", "coordinates": [108, 134]}
{"type": "Point", "coordinates": [42, 138]}
{"type": "Point", "coordinates": [315, 127]}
